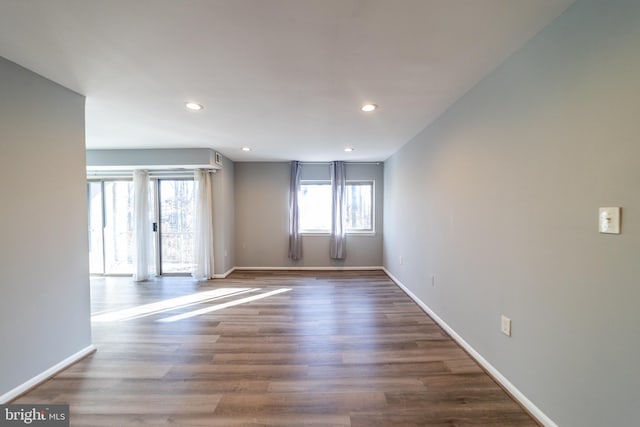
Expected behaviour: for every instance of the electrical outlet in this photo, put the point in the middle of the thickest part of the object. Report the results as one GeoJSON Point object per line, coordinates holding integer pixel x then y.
{"type": "Point", "coordinates": [401, 260]}
{"type": "Point", "coordinates": [433, 280]}
{"type": "Point", "coordinates": [505, 325]}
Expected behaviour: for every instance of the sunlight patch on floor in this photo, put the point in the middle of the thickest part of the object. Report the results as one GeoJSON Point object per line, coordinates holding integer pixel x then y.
{"type": "Point", "coordinates": [169, 304]}
{"type": "Point", "coordinates": [222, 306]}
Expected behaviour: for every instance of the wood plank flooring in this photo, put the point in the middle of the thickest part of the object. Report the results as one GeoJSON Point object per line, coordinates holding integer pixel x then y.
{"type": "Point", "coordinates": [272, 349]}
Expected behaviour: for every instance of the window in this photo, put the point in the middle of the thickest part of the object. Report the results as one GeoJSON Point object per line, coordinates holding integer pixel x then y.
{"type": "Point", "coordinates": [315, 206]}
{"type": "Point", "coordinates": [360, 207]}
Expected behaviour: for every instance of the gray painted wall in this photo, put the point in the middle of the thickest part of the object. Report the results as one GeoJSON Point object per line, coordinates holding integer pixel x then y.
{"type": "Point", "coordinates": [223, 217]}
{"type": "Point", "coordinates": [155, 158]}
{"type": "Point", "coordinates": [262, 198]}
{"type": "Point", "coordinates": [44, 307]}
{"type": "Point", "coordinates": [499, 198]}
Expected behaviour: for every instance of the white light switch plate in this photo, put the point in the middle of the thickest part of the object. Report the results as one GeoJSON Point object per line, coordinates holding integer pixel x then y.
{"type": "Point", "coordinates": [609, 220]}
{"type": "Point", "coordinates": [505, 325]}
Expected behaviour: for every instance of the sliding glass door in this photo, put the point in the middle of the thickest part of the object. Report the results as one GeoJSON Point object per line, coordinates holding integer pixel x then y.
{"type": "Point", "coordinates": [111, 236]}
{"type": "Point", "coordinates": [176, 225]}
{"type": "Point", "coordinates": [118, 227]}
{"type": "Point", "coordinates": [95, 206]}
{"type": "Point", "coordinates": [110, 205]}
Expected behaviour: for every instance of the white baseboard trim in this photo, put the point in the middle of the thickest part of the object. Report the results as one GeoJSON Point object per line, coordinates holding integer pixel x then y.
{"type": "Point", "coordinates": [540, 416]}
{"type": "Point", "coordinates": [43, 376]}
{"type": "Point", "coordinates": [225, 274]}
{"type": "Point", "coordinates": [330, 268]}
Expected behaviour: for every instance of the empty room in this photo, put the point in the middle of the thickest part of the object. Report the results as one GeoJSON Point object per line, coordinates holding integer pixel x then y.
{"type": "Point", "coordinates": [320, 212]}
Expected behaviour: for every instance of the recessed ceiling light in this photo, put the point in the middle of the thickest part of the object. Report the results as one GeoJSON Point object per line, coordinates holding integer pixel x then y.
{"type": "Point", "coordinates": [193, 106]}
{"type": "Point", "coordinates": [348, 149]}
{"type": "Point", "coordinates": [246, 149]}
{"type": "Point", "coordinates": [369, 107]}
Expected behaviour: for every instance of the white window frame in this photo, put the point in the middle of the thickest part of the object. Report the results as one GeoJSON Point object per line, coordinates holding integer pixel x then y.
{"type": "Point", "coordinates": [323, 232]}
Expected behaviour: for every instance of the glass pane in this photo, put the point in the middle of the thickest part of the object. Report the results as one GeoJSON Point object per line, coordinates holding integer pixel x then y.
{"type": "Point", "coordinates": [314, 202]}
{"type": "Point", "coordinates": [176, 225]}
{"type": "Point", "coordinates": [118, 230]}
{"type": "Point", "coordinates": [359, 207]}
{"type": "Point", "coordinates": [94, 201]}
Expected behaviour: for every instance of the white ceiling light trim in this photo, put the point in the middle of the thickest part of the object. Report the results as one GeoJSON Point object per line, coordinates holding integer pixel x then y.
{"type": "Point", "coordinates": [193, 106]}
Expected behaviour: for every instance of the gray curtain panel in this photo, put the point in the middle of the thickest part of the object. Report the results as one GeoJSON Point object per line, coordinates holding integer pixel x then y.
{"type": "Point", "coordinates": [295, 240]}
{"type": "Point", "coordinates": [338, 243]}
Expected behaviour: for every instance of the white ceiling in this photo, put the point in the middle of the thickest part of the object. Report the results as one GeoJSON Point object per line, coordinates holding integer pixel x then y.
{"type": "Point", "coordinates": [284, 77]}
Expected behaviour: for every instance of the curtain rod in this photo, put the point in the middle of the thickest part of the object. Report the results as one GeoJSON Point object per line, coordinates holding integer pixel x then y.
{"type": "Point", "coordinates": [153, 173]}
{"type": "Point", "coordinates": [349, 163]}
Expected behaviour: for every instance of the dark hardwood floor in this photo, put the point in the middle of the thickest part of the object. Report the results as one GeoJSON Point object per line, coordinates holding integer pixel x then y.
{"type": "Point", "coordinates": [272, 348]}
